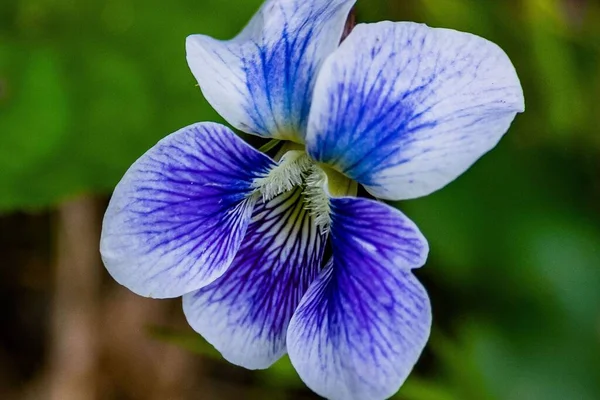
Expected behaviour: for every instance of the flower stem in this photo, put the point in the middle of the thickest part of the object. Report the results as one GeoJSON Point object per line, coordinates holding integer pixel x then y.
{"type": "Point", "coordinates": [270, 145]}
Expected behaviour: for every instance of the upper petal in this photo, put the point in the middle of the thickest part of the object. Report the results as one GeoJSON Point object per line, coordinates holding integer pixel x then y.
{"type": "Point", "coordinates": [176, 219]}
{"type": "Point", "coordinates": [363, 323]}
{"type": "Point", "coordinates": [404, 109]}
{"type": "Point", "coordinates": [245, 313]}
{"type": "Point", "coordinates": [261, 82]}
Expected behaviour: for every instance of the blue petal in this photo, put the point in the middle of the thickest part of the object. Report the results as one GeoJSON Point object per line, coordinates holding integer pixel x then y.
{"type": "Point", "coordinates": [245, 313]}
{"type": "Point", "coordinates": [404, 109]}
{"type": "Point", "coordinates": [178, 216]}
{"type": "Point", "coordinates": [378, 232]}
{"type": "Point", "coordinates": [363, 323]}
{"type": "Point", "coordinates": [261, 82]}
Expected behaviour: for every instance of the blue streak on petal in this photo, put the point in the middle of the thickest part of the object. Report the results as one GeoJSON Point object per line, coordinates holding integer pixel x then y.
{"type": "Point", "coordinates": [262, 81]}
{"type": "Point", "coordinates": [178, 216]}
{"type": "Point", "coordinates": [363, 323]}
{"type": "Point", "coordinates": [384, 233]}
{"type": "Point", "coordinates": [245, 313]}
{"type": "Point", "coordinates": [404, 109]}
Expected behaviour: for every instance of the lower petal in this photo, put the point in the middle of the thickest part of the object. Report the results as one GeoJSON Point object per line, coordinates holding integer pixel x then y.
{"type": "Point", "coordinates": [245, 313]}
{"type": "Point", "coordinates": [176, 219]}
{"type": "Point", "coordinates": [362, 324]}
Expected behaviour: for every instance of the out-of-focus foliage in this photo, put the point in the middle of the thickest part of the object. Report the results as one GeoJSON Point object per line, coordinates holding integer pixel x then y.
{"type": "Point", "coordinates": [86, 86]}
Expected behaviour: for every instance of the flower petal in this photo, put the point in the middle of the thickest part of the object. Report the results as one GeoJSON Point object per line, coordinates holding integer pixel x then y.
{"type": "Point", "coordinates": [404, 109]}
{"type": "Point", "coordinates": [261, 82]}
{"type": "Point", "coordinates": [245, 313]}
{"type": "Point", "coordinates": [363, 323]}
{"type": "Point", "coordinates": [377, 231]}
{"type": "Point", "coordinates": [176, 219]}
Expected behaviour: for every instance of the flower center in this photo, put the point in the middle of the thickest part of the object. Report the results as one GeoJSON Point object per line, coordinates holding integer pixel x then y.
{"type": "Point", "coordinates": [319, 182]}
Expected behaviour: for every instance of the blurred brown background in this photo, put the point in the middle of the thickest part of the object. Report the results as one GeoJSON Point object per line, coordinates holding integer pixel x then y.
{"type": "Point", "coordinates": [514, 273]}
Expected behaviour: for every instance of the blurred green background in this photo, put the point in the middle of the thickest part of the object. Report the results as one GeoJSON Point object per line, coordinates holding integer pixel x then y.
{"type": "Point", "coordinates": [86, 86]}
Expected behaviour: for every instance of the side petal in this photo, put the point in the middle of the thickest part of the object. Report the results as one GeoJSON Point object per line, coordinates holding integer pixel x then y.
{"type": "Point", "coordinates": [404, 109]}
{"type": "Point", "coordinates": [378, 232]}
{"type": "Point", "coordinates": [245, 313]}
{"type": "Point", "coordinates": [363, 323]}
{"type": "Point", "coordinates": [261, 82]}
{"type": "Point", "coordinates": [177, 218]}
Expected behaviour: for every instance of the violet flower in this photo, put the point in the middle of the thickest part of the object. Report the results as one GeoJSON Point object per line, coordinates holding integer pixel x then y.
{"type": "Point", "coordinates": [276, 255]}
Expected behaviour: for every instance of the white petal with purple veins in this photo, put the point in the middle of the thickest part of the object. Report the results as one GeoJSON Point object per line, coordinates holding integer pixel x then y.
{"type": "Point", "coordinates": [261, 82]}
{"type": "Point", "coordinates": [363, 323]}
{"type": "Point", "coordinates": [404, 109]}
{"type": "Point", "coordinates": [377, 230]}
{"type": "Point", "coordinates": [246, 312]}
{"type": "Point", "coordinates": [177, 218]}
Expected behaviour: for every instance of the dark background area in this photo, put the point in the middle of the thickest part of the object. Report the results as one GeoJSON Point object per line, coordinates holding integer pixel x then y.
{"type": "Point", "coordinates": [86, 86]}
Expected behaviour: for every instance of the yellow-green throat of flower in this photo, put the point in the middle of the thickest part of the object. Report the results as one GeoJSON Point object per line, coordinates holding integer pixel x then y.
{"type": "Point", "coordinates": [319, 183]}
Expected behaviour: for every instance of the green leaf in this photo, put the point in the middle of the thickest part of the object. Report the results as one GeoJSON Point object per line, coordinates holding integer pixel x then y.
{"type": "Point", "coordinates": [281, 375]}
{"type": "Point", "coordinates": [35, 116]}
{"type": "Point", "coordinates": [420, 389]}
{"type": "Point", "coordinates": [187, 340]}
